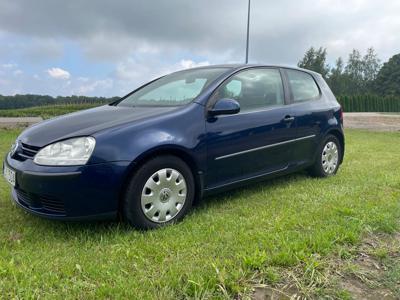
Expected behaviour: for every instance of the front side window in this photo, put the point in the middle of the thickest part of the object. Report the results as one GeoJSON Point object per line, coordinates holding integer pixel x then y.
{"type": "Point", "coordinates": [233, 88]}
{"type": "Point", "coordinates": [254, 89]}
{"type": "Point", "coordinates": [174, 89]}
{"type": "Point", "coordinates": [302, 85]}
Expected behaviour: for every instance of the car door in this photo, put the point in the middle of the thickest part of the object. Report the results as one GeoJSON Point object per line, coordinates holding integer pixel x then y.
{"type": "Point", "coordinates": [253, 142]}
{"type": "Point", "coordinates": [309, 111]}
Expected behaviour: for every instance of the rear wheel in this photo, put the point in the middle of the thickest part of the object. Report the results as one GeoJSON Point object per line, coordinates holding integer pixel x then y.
{"type": "Point", "coordinates": [160, 192]}
{"type": "Point", "coordinates": [328, 157]}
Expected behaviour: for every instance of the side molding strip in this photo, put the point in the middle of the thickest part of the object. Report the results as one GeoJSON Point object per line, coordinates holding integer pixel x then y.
{"type": "Point", "coordinates": [265, 147]}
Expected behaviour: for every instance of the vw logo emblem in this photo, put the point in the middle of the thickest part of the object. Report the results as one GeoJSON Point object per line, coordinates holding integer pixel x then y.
{"type": "Point", "coordinates": [14, 148]}
{"type": "Point", "coordinates": [165, 194]}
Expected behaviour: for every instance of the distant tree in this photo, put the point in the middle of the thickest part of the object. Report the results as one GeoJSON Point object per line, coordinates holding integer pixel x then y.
{"type": "Point", "coordinates": [315, 60]}
{"type": "Point", "coordinates": [372, 65]}
{"type": "Point", "coordinates": [360, 72]}
{"type": "Point", "coordinates": [354, 74]}
{"type": "Point", "coordinates": [336, 79]}
{"type": "Point", "coordinates": [355, 77]}
{"type": "Point", "coordinates": [387, 81]}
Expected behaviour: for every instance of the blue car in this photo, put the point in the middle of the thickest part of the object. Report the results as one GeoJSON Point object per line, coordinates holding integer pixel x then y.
{"type": "Point", "coordinates": [151, 155]}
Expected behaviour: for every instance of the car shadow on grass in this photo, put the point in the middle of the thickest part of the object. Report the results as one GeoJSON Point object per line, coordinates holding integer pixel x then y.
{"type": "Point", "coordinates": [249, 189]}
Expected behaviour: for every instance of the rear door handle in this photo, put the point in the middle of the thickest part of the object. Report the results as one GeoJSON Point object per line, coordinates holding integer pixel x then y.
{"type": "Point", "coordinates": [288, 119]}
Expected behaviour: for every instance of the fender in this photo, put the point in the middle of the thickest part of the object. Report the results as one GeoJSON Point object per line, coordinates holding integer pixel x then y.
{"type": "Point", "coordinates": [180, 130]}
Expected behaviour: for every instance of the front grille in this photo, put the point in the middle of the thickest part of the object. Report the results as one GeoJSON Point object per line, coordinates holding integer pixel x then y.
{"type": "Point", "coordinates": [25, 152]}
{"type": "Point", "coordinates": [28, 151]}
{"type": "Point", "coordinates": [44, 203]}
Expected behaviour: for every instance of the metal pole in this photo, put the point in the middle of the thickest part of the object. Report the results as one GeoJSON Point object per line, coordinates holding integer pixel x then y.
{"type": "Point", "coordinates": [248, 27]}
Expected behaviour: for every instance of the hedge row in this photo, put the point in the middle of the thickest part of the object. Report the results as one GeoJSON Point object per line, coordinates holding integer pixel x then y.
{"type": "Point", "coordinates": [370, 103]}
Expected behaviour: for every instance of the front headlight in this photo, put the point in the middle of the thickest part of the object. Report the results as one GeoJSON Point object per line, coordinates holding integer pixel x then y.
{"type": "Point", "coordinates": [71, 152]}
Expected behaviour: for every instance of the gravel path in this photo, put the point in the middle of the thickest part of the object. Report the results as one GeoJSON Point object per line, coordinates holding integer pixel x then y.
{"type": "Point", "coordinates": [18, 122]}
{"type": "Point", "coordinates": [372, 121]}
{"type": "Point", "coordinates": [369, 121]}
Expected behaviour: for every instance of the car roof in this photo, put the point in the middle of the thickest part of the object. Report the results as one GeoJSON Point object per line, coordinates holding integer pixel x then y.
{"type": "Point", "coordinates": [244, 66]}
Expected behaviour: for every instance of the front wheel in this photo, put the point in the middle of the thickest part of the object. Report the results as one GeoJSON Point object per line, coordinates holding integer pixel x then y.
{"type": "Point", "coordinates": [328, 157]}
{"type": "Point", "coordinates": [160, 192]}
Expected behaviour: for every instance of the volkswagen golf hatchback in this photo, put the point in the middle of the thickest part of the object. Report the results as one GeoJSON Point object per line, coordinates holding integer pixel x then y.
{"type": "Point", "coordinates": [150, 155]}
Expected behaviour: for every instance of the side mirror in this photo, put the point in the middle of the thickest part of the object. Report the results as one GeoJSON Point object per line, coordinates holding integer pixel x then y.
{"type": "Point", "coordinates": [225, 106]}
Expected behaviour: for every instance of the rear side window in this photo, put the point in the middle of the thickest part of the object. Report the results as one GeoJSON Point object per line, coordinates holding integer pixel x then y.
{"type": "Point", "coordinates": [302, 85]}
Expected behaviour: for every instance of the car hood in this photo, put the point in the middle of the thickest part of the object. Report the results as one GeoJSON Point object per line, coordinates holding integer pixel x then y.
{"type": "Point", "coordinates": [86, 122]}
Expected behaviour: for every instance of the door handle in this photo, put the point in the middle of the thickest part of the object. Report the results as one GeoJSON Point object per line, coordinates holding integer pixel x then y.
{"type": "Point", "coordinates": [317, 123]}
{"type": "Point", "coordinates": [288, 119]}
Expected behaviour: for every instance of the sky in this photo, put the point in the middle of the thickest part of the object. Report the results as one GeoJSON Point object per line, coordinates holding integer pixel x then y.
{"type": "Point", "coordinates": [108, 48]}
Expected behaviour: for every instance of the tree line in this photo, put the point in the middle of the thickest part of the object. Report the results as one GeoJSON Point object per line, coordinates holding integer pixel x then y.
{"type": "Point", "coordinates": [361, 83]}
{"type": "Point", "coordinates": [359, 75]}
{"type": "Point", "coordinates": [23, 101]}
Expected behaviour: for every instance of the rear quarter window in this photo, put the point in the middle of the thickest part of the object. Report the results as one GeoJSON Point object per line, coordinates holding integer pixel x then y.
{"type": "Point", "coordinates": [302, 85]}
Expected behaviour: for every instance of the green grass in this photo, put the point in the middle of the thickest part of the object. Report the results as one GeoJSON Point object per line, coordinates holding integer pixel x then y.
{"type": "Point", "coordinates": [227, 244]}
{"type": "Point", "coordinates": [46, 111]}
{"type": "Point", "coordinates": [392, 277]}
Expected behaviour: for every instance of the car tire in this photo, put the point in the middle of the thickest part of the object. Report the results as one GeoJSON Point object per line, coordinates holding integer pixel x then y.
{"type": "Point", "coordinates": [328, 157]}
{"type": "Point", "coordinates": [159, 193]}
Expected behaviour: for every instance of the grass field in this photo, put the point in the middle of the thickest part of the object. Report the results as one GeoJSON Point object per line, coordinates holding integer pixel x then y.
{"type": "Point", "coordinates": [283, 230]}
{"type": "Point", "coordinates": [46, 111]}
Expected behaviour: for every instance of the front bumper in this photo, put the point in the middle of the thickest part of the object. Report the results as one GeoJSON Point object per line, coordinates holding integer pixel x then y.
{"type": "Point", "coordinates": [70, 192]}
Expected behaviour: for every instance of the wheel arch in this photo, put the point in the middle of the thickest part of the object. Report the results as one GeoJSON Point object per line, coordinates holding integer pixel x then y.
{"type": "Point", "coordinates": [174, 150]}
{"type": "Point", "coordinates": [340, 136]}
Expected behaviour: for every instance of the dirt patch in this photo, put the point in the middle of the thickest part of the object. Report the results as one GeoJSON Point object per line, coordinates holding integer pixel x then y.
{"type": "Point", "coordinates": [368, 275]}
{"type": "Point", "coordinates": [358, 290]}
{"type": "Point", "coordinates": [371, 272]}
{"type": "Point", "coordinates": [262, 293]}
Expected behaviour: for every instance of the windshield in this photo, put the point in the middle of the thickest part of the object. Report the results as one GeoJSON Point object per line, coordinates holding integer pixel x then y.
{"type": "Point", "coordinates": [174, 89]}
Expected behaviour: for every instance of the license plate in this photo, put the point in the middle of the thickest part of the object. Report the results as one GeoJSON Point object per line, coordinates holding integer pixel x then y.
{"type": "Point", "coordinates": [9, 175]}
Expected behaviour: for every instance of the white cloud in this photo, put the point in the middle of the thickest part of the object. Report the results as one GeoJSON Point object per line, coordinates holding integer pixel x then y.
{"type": "Point", "coordinates": [188, 63]}
{"type": "Point", "coordinates": [128, 70]}
{"type": "Point", "coordinates": [4, 81]}
{"type": "Point", "coordinates": [9, 66]}
{"type": "Point", "coordinates": [18, 72]}
{"type": "Point", "coordinates": [83, 79]}
{"type": "Point", "coordinates": [96, 85]}
{"type": "Point", "coordinates": [58, 73]}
